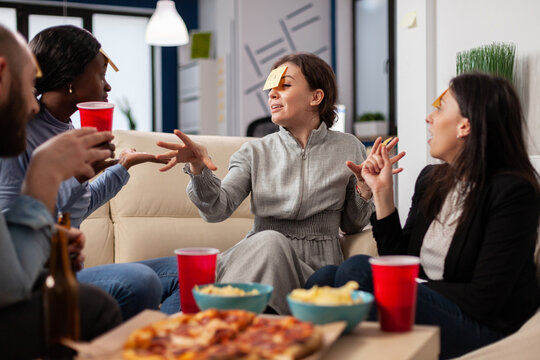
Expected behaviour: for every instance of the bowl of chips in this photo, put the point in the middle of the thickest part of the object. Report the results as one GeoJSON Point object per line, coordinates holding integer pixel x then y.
{"type": "Point", "coordinates": [323, 305]}
{"type": "Point", "coordinates": [245, 296]}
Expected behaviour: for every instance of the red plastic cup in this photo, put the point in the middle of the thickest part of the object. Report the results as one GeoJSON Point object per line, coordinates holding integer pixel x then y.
{"type": "Point", "coordinates": [394, 282]}
{"type": "Point", "coordinates": [98, 114]}
{"type": "Point", "coordinates": [196, 266]}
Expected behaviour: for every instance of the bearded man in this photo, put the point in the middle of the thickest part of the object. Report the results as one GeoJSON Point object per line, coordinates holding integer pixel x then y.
{"type": "Point", "coordinates": [26, 227]}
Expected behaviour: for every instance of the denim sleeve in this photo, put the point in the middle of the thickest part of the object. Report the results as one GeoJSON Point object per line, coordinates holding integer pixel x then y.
{"type": "Point", "coordinates": [106, 186]}
{"type": "Point", "coordinates": [12, 172]}
{"type": "Point", "coordinates": [25, 231]}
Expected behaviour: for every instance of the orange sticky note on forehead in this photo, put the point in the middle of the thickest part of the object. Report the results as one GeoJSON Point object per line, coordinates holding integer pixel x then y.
{"type": "Point", "coordinates": [39, 73]}
{"type": "Point", "coordinates": [437, 101]}
{"type": "Point", "coordinates": [274, 78]}
{"type": "Point", "coordinates": [113, 65]}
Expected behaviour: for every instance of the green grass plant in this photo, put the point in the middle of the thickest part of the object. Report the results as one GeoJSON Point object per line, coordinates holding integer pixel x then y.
{"type": "Point", "coordinates": [497, 59]}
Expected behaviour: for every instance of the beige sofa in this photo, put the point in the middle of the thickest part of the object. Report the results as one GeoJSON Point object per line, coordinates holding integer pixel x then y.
{"type": "Point", "coordinates": [152, 215]}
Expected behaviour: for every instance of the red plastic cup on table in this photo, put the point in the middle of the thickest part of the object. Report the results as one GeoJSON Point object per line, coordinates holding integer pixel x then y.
{"type": "Point", "coordinates": [98, 114]}
{"type": "Point", "coordinates": [394, 283]}
{"type": "Point", "coordinates": [196, 266]}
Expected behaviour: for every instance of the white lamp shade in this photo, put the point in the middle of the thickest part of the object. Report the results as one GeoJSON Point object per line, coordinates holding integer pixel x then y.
{"type": "Point", "coordinates": [166, 27]}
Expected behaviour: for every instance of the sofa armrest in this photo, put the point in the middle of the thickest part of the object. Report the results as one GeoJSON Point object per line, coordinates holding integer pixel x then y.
{"type": "Point", "coordinates": [359, 243]}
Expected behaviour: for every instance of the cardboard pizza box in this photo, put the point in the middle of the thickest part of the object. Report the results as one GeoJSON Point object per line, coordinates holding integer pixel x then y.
{"type": "Point", "coordinates": [109, 345]}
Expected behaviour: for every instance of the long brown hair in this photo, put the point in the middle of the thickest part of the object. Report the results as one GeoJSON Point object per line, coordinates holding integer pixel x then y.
{"type": "Point", "coordinates": [494, 146]}
{"type": "Point", "coordinates": [319, 75]}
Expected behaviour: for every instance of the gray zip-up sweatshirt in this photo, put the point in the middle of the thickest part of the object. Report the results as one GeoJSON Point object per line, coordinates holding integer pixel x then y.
{"type": "Point", "coordinates": [302, 193]}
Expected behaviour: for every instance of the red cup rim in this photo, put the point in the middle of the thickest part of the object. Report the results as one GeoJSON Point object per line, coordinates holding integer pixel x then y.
{"type": "Point", "coordinates": [95, 105]}
{"type": "Point", "coordinates": [196, 251]}
{"type": "Point", "coordinates": [395, 260]}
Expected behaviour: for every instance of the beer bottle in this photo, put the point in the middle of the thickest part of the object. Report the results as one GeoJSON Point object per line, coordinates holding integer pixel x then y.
{"type": "Point", "coordinates": [60, 299]}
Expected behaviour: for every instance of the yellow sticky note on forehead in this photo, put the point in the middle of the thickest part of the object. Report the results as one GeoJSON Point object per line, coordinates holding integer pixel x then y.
{"type": "Point", "coordinates": [113, 65]}
{"type": "Point", "coordinates": [437, 101]}
{"type": "Point", "coordinates": [274, 78]}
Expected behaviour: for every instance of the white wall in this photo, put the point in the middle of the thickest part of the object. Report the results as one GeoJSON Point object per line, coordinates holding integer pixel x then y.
{"type": "Point", "coordinates": [415, 92]}
{"type": "Point", "coordinates": [426, 62]}
{"type": "Point", "coordinates": [465, 24]}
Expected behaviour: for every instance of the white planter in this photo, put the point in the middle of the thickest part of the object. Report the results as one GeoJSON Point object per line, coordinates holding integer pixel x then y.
{"type": "Point", "coordinates": [370, 128]}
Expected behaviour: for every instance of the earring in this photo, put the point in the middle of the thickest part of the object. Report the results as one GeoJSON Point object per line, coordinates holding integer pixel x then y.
{"type": "Point", "coordinates": [458, 136]}
{"type": "Point", "coordinates": [70, 89]}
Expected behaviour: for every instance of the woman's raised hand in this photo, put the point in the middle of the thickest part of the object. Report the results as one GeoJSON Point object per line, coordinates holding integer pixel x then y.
{"type": "Point", "coordinates": [373, 165]}
{"type": "Point", "coordinates": [187, 152]}
{"type": "Point", "coordinates": [377, 169]}
{"type": "Point", "coordinates": [377, 172]}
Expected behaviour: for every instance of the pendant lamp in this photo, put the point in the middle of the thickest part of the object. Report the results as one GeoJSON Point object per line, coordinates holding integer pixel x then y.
{"type": "Point", "coordinates": [166, 27]}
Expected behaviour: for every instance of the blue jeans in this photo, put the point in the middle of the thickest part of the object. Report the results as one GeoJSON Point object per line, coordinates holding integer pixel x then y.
{"type": "Point", "coordinates": [459, 333]}
{"type": "Point", "coordinates": [138, 286]}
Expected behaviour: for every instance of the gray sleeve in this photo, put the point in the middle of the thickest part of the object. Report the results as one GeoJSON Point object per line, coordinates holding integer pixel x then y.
{"type": "Point", "coordinates": [357, 211]}
{"type": "Point", "coordinates": [12, 171]}
{"type": "Point", "coordinates": [217, 199]}
{"type": "Point", "coordinates": [25, 231]}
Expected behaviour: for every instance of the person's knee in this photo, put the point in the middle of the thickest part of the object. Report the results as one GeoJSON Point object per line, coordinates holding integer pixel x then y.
{"type": "Point", "coordinates": [135, 287]}
{"type": "Point", "coordinates": [270, 241]}
{"type": "Point", "coordinates": [144, 285]}
{"type": "Point", "coordinates": [99, 312]}
{"type": "Point", "coordinates": [325, 276]}
{"type": "Point", "coordinates": [355, 268]}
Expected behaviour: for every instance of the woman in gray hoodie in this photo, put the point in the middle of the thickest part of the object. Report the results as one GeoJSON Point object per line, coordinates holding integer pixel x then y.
{"type": "Point", "coordinates": [302, 191]}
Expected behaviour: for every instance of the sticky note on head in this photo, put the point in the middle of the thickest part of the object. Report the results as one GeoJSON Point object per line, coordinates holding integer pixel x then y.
{"type": "Point", "coordinates": [274, 78]}
{"type": "Point", "coordinates": [437, 101]}
{"type": "Point", "coordinates": [113, 65]}
{"type": "Point", "coordinates": [39, 73]}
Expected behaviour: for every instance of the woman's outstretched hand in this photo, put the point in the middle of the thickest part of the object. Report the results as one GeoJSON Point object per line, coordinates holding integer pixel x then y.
{"type": "Point", "coordinates": [187, 152]}
{"type": "Point", "coordinates": [132, 157]}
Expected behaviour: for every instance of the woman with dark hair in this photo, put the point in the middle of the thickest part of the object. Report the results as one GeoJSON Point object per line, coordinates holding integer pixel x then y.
{"type": "Point", "coordinates": [473, 220]}
{"type": "Point", "coordinates": [74, 67]}
{"type": "Point", "coordinates": [302, 192]}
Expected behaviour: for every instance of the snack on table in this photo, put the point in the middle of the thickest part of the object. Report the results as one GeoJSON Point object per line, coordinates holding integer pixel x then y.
{"type": "Point", "coordinates": [327, 295]}
{"type": "Point", "coordinates": [225, 291]}
{"type": "Point", "coordinates": [225, 334]}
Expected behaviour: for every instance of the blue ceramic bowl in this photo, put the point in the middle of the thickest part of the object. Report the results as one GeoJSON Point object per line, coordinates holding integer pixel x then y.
{"type": "Point", "coordinates": [255, 303]}
{"type": "Point", "coordinates": [324, 314]}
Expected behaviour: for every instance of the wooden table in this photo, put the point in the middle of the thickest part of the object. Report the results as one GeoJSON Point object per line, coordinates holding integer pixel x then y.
{"type": "Point", "coordinates": [369, 342]}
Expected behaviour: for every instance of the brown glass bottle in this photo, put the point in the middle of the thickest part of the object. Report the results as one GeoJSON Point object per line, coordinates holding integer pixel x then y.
{"type": "Point", "coordinates": [60, 299]}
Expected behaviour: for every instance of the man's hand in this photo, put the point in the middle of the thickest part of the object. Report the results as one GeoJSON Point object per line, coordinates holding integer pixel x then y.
{"type": "Point", "coordinates": [101, 165]}
{"type": "Point", "coordinates": [76, 241]}
{"type": "Point", "coordinates": [69, 154]}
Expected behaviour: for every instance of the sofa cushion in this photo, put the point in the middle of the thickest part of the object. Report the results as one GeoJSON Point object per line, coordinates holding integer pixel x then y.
{"type": "Point", "coordinates": [153, 215]}
{"type": "Point", "coordinates": [98, 230]}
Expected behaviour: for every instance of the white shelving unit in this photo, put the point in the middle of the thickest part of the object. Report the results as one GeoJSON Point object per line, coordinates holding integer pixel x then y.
{"type": "Point", "coordinates": [198, 97]}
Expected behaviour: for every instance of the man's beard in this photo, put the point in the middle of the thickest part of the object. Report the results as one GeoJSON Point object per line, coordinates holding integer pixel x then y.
{"type": "Point", "coordinates": [13, 118]}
